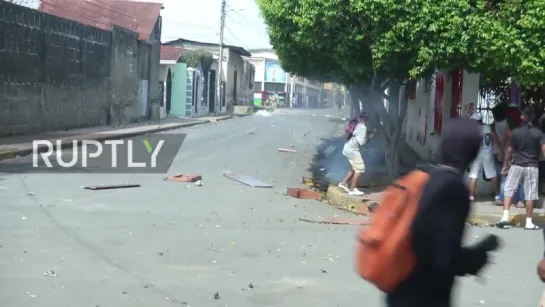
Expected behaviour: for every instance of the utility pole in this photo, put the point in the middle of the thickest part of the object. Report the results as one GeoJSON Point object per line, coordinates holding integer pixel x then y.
{"type": "Point", "coordinates": [292, 92]}
{"type": "Point", "coordinates": [220, 59]}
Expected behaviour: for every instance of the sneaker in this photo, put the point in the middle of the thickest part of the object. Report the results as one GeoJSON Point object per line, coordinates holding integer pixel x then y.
{"type": "Point", "coordinates": [345, 188]}
{"type": "Point", "coordinates": [471, 199]}
{"type": "Point", "coordinates": [497, 198]}
{"type": "Point", "coordinates": [356, 192]}
{"type": "Point", "coordinates": [503, 225]}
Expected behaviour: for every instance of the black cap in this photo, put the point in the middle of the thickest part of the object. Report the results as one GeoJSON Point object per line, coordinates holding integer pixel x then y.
{"type": "Point", "coordinates": [364, 115]}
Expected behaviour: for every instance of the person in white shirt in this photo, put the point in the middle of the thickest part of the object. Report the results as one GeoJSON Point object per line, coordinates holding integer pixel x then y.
{"type": "Point", "coordinates": [485, 159]}
{"type": "Point", "coordinates": [351, 151]}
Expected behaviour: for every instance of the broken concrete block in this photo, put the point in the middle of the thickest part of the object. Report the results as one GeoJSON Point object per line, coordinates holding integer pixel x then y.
{"type": "Point", "coordinates": [304, 194]}
{"type": "Point", "coordinates": [185, 178]}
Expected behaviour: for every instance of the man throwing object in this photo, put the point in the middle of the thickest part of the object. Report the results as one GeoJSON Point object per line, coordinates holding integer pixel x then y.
{"type": "Point", "coordinates": [356, 136]}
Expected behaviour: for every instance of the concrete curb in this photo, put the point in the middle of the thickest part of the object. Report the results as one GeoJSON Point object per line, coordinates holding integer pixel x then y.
{"type": "Point", "coordinates": [103, 136]}
{"type": "Point", "coordinates": [358, 205]}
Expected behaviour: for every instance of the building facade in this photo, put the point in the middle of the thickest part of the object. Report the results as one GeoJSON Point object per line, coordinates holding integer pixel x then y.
{"type": "Point", "coordinates": [271, 81]}
{"type": "Point", "coordinates": [237, 74]}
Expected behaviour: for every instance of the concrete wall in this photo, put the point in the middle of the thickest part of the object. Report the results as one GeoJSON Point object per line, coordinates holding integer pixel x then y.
{"type": "Point", "coordinates": [58, 74]}
{"type": "Point", "coordinates": [419, 122]}
{"type": "Point", "coordinates": [179, 84]}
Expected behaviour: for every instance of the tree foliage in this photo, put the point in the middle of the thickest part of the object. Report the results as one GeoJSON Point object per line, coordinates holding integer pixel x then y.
{"type": "Point", "coordinates": [197, 58]}
{"type": "Point", "coordinates": [371, 45]}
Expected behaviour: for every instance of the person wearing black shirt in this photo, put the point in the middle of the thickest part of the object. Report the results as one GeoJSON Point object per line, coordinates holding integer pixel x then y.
{"type": "Point", "coordinates": [438, 227]}
{"type": "Point", "coordinates": [524, 147]}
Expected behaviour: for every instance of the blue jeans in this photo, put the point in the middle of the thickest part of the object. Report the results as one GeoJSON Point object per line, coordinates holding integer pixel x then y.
{"type": "Point", "coordinates": [519, 196]}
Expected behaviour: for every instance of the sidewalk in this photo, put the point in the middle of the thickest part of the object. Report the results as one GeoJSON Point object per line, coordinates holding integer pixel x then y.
{"type": "Point", "coordinates": [484, 213]}
{"type": "Point", "coordinates": [11, 147]}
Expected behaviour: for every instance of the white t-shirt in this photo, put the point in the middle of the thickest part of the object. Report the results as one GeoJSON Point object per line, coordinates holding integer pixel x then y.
{"type": "Point", "coordinates": [359, 138]}
{"type": "Point", "coordinates": [487, 144]}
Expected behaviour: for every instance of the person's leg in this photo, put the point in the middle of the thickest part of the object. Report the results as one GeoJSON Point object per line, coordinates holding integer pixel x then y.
{"type": "Point", "coordinates": [359, 168]}
{"type": "Point", "coordinates": [511, 183]}
{"type": "Point", "coordinates": [489, 167]}
{"type": "Point", "coordinates": [344, 184]}
{"type": "Point", "coordinates": [531, 194]}
{"type": "Point", "coordinates": [474, 171]}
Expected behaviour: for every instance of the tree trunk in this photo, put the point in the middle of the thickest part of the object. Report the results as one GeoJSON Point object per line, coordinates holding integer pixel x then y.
{"type": "Point", "coordinates": [354, 101]}
{"type": "Point", "coordinates": [389, 122]}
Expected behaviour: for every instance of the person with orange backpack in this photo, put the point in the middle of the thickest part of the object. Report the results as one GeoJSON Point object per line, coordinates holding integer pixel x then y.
{"type": "Point", "coordinates": [412, 249]}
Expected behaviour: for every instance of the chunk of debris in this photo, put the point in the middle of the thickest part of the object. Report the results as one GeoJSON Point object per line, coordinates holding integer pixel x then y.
{"type": "Point", "coordinates": [184, 178]}
{"type": "Point", "coordinates": [50, 274]}
{"type": "Point", "coordinates": [31, 193]}
{"type": "Point", "coordinates": [112, 186]}
{"type": "Point", "coordinates": [217, 296]}
{"type": "Point", "coordinates": [304, 194]}
{"type": "Point", "coordinates": [338, 221]}
{"type": "Point", "coordinates": [311, 182]}
{"type": "Point", "coordinates": [286, 150]}
{"type": "Point", "coordinates": [247, 180]}
{"type": "Point", "coordinates": [251, 286]}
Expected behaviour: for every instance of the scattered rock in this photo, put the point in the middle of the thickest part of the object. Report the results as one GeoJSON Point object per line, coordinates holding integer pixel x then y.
{"type": "Point", "coordinates": [31, 193]}
{"type": "Point", "coordinates": [161, 254]}
{"type": "Point", "coordinates": [324, 271]}
{"type": "Point", "coordinates": [251, 286]}
{"type": "Point", "coordinates": [50, 274]}
{"type": "Point", "coordinates": [217, 296]}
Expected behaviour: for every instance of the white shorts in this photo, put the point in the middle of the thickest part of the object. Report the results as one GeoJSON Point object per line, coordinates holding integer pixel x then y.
{"type": "Point", "coordinates": [355, 160]}
{"type": "Point", "coordinates": [485, 162]}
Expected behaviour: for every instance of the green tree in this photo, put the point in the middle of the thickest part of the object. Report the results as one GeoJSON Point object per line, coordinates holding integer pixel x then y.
{"type": "Point", "coordinates": [373, 45]}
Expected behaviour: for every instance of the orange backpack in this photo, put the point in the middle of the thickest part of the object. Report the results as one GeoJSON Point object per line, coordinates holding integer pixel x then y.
{"type": "Point", "coordinates": [384, 252]}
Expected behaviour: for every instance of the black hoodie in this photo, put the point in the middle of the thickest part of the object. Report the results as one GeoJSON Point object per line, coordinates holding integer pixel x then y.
{"type": "Point", "coordinates": [439, 225]}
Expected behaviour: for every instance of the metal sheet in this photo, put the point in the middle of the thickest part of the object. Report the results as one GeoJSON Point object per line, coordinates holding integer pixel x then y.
{"type": "Point", "coordinates": [247, 180]}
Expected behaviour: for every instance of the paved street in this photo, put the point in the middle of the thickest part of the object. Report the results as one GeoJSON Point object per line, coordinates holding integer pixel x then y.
{"type": "Point", "coordinates": [171, 244]}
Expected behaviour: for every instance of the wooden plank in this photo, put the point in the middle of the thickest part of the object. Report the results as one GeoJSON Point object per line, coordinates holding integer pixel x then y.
{"type": "Point", "coordinates": [247, 180]}
{"type": "Point", "coordinates": [338, 221]}
{"type": "Point", "coordinates": [286, 150]}
{"type": "Point", "coordinates": [113, 186]}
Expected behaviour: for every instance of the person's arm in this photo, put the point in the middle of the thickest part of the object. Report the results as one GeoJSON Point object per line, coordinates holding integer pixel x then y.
{"type": "Point", "coordinates": [508, 153]}
{"type": "Point", "coordinates": [543, 143]}
{"type": "Point", "coordinates": [506, 139]}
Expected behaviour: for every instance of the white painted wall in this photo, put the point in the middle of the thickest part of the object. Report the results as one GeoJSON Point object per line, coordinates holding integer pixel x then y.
{"type": "Point", "coordinates": [419, 121]}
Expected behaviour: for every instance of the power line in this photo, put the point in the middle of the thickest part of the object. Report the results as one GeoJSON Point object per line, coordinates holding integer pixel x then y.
{"type": "Point", "coordinates": [236, 38]}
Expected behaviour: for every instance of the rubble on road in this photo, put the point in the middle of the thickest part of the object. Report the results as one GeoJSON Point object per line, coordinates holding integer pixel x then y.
{"type": "Point", "coordinates": [183, 178]}
{"type": "Point", "coordinates": [110, 187]}
{"type": "Point", "coordinates": [338, 221]}
{"type": "Point", "coordinates": [247, 180]}
{"type": "Point", "coordinates": [286, 150]}
{"type": "Point", "coordinates": [304, 194]}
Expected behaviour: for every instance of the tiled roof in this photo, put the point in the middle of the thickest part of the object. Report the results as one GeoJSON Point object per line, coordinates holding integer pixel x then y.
{"type": "Point", "coordinates": [139, 17]}
{"type": "Point", "coordinates": [170, 53]}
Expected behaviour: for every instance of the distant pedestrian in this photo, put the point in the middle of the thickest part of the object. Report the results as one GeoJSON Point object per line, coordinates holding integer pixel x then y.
{"type": "Point", "coordinates": [524, 147]}
{"type": "Point", "coordinates": [485, 159]}
{"type": "Point", "coordinates": [355, 136]}
{"type": "Point", "coordinates": [339, 106]}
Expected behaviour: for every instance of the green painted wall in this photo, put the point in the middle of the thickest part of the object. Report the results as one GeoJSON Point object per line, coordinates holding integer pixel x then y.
{"type": "Point", "coordinates": [179, 84]}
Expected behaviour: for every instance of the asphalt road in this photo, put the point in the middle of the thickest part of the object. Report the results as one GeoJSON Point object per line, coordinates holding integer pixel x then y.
{"type": "Point", "coordinates": [175, 244]}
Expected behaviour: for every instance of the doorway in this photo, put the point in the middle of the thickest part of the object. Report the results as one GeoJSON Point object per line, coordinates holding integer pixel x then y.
{"type": "Point", "coordinates": [212, 92]}
{"type": "Point", "coordinates": [169, 90]}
